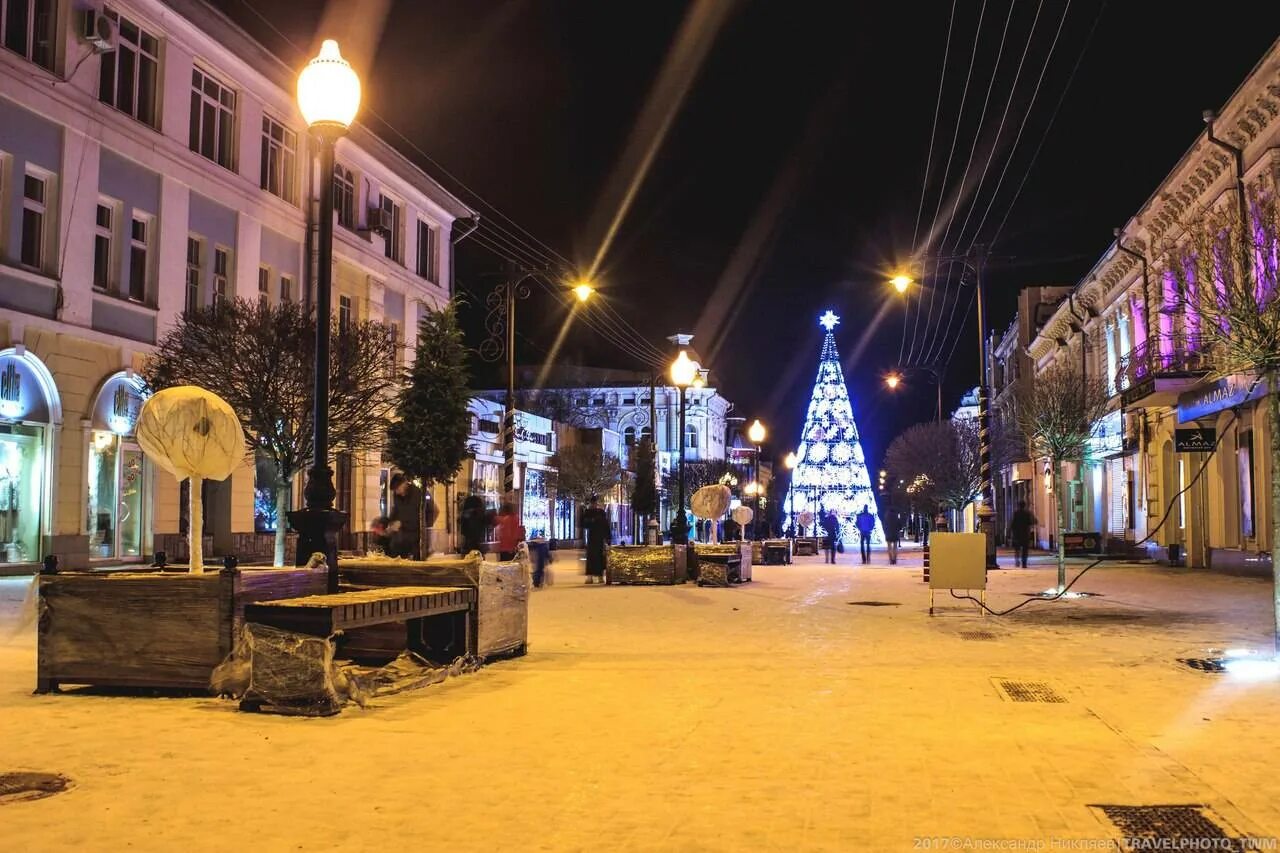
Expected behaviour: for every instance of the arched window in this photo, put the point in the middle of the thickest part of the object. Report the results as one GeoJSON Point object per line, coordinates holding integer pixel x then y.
{"type": "Point", "coordinates": [691, 437]}
{"type": "Point", "coordinates": [629, 436]}
{"type": "Point", "coordinates": [646, 434]}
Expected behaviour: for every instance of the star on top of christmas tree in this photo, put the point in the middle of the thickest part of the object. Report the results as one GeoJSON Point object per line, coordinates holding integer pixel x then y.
{"type": "Point", "coordinates": [829, 320]}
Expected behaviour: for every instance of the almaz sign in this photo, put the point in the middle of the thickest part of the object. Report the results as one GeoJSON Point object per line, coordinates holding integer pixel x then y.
{"type": "Point", "coordinates": [1226, 393]}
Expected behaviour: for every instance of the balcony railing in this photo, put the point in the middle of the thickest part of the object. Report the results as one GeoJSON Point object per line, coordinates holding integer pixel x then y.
{"type": "Point", "coordinates": [1147, 362]}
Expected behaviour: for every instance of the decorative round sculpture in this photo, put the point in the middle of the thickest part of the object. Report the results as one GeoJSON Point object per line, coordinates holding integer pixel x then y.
{"type": "Point", "coordinates": [710, 501]}
{"type": "Point", "coordinates": [743, 515]}
{"type": "Point", "coordinates": [191, 433]}
{"type": "Point", "coordinates": [806, 518]}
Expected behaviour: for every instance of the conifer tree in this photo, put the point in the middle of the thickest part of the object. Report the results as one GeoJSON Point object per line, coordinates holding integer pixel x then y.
{"type": "Point", "coordinates": [428, 439]}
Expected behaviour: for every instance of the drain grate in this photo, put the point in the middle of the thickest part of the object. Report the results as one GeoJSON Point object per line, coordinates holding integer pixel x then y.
{"type": "Point", "coordinates": [1028, 691]}
{"type": "Point", "coordinates": [977, 635]}
{"type": "Point", "coordinates": [30, 786]}
{"type": "Point", "coordinates": [1204, 664]}
{"type": "Point", "coordinates": [1171, 827]}
{"type": "Point", "coordinates": [874, 603]}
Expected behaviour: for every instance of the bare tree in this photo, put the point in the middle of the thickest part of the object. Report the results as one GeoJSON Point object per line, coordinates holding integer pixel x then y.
{"type": "Point", "coordinates": [260, 358]}
{"type": "Point", "coordinates": [583, 471]}
{"type": "Point", "coordinates": [940, 460]}
{"type": "Point", "coordinates": [1225, 269]}
{"type": "Point", "coordinates": [1057, 414]}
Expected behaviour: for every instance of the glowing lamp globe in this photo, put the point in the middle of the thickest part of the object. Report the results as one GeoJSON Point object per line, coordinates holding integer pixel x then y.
{"type": "Point", "coordinates": [790, 461]}
{"type": "Point", "coordinates": [756, 432]}
{"type": "Point", "coordinates": [901, 283]}
{"type": "Point", "coordinates": [892, 380]}
{"type": "Point", "coordinates": [683, 370]}
{"type": "Point", "coordinates": [329, 90]}
{"type": "Point", "coordinates": [583, 291]}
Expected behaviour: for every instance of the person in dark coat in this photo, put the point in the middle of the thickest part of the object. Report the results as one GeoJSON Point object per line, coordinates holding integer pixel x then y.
{"type": "Point", "coordinates": [473, 522]}
{"type": "Point", "coordinates": [596, 531]}
{"type": "Point", "coordinates": [892, 521]}
{"type": "Point", "coordinates": [831, 527]}
{"type": "Point", "coordinates": [1020, 527]}
{"type": "Point", "coordinates": [866, 524]}
{"type": "Point", "coordinates": [732, 531]}
{"type": "Point", "coordinates": [405, 525]}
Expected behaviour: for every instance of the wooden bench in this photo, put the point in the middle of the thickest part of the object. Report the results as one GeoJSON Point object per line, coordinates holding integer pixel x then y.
{"type": "Point", "coordinates": [437, 619]}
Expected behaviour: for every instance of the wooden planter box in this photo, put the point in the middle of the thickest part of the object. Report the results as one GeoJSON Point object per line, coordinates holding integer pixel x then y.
{"type": "Point", "coordinates": [646, 564]}
{"type": "Point", "coordinates": [501, 624]}
{"type": "Point", "coordinates": [741, 550]}
{"type": "Point", "coordinates": [155, 629]}
{"type": "Point", "coordinates": [807, 546]}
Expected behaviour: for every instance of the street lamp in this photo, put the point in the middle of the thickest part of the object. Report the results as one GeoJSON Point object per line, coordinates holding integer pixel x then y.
{"type": "Point", "coordinates": [756, 432]}
{"type": "Point", "coordinates": [791, 462]}
{"type": "Point", "coordinates": [583, 290]}
{"type": "Point", "coordinates": [684, 371]}
{"type": "Point", "coordinates": [892, 380]}
{"type": "Point", "coordinates": [901, 283]}
{"type": "Point", "coordinates": [328, 98]}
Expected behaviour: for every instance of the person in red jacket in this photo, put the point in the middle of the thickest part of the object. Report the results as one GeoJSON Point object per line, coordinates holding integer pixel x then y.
{"type": "Point", "coordinates": [510, 532]}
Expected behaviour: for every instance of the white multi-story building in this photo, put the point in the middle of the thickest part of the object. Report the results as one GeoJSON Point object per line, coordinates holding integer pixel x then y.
{"type": "Point", "coordinates": [1130, 327]}
{"type": "Point", "coordinates": [157, 164]}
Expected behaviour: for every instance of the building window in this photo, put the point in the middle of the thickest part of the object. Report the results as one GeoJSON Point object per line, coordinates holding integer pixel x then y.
{"type": "Point", "coordinates": [27, 28]}
{"type": "Point", "coordinates": [279, 159]}
{"type": "Point", "coordinates": [691, 437]}
{"type": "Point", "coordinates": [393, 220]}
{"type": "Point", "coordinates": [344, 312]}
{"type": "Point", "coordinates": [103, 237]}
{"type": "Point", "coordinates": [139, 254]}
{"type": "Point", "coordinates": [130, 72]}
{"type": "Point", "coordinates": [220, 264]}
{"type": "Point", "coordinates": [344, 196]}
{"type": "Point", "coordinates": [393, 332]}
{"type": "Point", "coordinates": [646, 434]}
{"type": "Point", "coordinates": [629, 436]}
{"type": "Point", "coordinates": [264, 286]}
{"type": "Point", "coordinates": [34, 191]}
{"type": "Point", "coordinates": [213, 118]}
{"type": "Point", "coordinates": [192, 301]}
{"type": "Point", "coordinates": [427, 249]}
{"type": "Point", "coordinates": [286, 289]}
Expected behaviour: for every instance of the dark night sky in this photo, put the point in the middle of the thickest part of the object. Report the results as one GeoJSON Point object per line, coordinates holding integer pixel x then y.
{"type": "Point", "coordinates": [793, 168]}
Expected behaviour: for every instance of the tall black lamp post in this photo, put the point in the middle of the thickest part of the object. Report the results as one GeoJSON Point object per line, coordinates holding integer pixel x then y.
{"type": "Point", "coordinates": [328, 97]}
{"type": "Point", "coordinates": [756, 433]}
{"type": "Point", "coordinates": [684, 371]}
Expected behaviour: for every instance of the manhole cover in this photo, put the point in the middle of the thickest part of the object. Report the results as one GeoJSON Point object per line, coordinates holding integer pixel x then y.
{"type": "Point", "coordinates": [1204, 664]}
{"type": "Point", "coordinates": [977, 635]}
{"type": "Point", "coordinates": [30, 786]}
{"type": "Point", "coordinates": [874, 603]}
{"type": "Point", "coordinates": [1175, 827]}
{"type": "Point", "coordinates": [1028, 691]}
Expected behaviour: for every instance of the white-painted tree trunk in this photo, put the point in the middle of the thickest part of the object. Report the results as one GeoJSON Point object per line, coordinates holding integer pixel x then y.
{"type": "Point", "coordinates": [195, 530]}
{"type": "Point", "coordinates": [282, 524]}
{"type": "Point", "coordinates": [1062, 525]}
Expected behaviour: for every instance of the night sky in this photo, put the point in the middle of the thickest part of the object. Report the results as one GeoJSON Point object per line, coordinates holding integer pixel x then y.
{"type": "Point", "coordinates": [790, 176]}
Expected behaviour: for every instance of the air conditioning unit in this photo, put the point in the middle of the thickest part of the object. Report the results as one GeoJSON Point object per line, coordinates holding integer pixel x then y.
{"type": "Point", "coordinates": [98, 30]}
{"type": "Point", "coordinates": [379, 221]}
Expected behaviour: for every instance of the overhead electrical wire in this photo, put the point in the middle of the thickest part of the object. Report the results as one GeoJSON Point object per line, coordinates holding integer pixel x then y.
{"type": "Point", "coordinates": [1013, 90]}
{"type": "Point", "coordinates": [1052, 118]}
{"type": "Point", "coordinates": [946, 172]}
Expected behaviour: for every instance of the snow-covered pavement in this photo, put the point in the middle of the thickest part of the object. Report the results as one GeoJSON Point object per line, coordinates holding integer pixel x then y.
{"type": "Point", "coordinates": [782, 714]}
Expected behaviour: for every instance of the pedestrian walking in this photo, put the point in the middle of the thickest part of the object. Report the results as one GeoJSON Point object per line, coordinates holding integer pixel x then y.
{"type": "Point", "coordinates": [596, 531]}
{"type": "Point", "coordinates": [924, 530]}
{"type": "Point", "coordinates": [891, 519]}
{"type": "Point", "coordinates": [510, 532]}
{"type": "Point", "coordinates": [404, 525]}
{"type": "Point", "coordinates": [540, 556]}
{"type": "Point", "coordinates": [866, 524]}
{"type": "Point", "coordinates": [830, 527]}
{"type": "Point", "coordinates": [473, 523]}
{"type": "Point", "coordinates": [1020, 527]}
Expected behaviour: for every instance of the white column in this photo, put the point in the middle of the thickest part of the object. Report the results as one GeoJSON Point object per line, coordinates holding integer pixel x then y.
{"type": "Point", "coordinates": [171, 252]}
{"type": "Point", "coordinates": [76, 212]}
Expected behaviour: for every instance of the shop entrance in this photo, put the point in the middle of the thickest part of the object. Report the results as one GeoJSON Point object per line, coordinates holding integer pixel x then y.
{"type": "Point", "coordinates": [29, 404]}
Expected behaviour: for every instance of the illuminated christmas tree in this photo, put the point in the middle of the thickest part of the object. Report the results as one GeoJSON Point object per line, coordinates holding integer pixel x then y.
{"type": "Point", "coordinates": [831, 472]}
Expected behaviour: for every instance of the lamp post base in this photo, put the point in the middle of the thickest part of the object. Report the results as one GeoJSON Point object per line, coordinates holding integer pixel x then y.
{"type": "Point", "coordinates": [987, 527]}
{"type": "Point", "coordinates": [318, 531]}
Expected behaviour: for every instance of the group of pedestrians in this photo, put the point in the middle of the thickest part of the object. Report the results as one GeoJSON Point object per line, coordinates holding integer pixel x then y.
{"type": "Point", "coordinates": [865, 523]}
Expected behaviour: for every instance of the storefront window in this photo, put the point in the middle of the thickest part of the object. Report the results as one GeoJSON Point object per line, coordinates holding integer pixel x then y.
{"type": "Point", "coordinates": [537, 510]}
{"type": "Point", "coordinates": [21, 481]}
{"type": "Point", "coordinates": [115, 505]}
{"type": "Point", "coordinates": [114, 502]}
